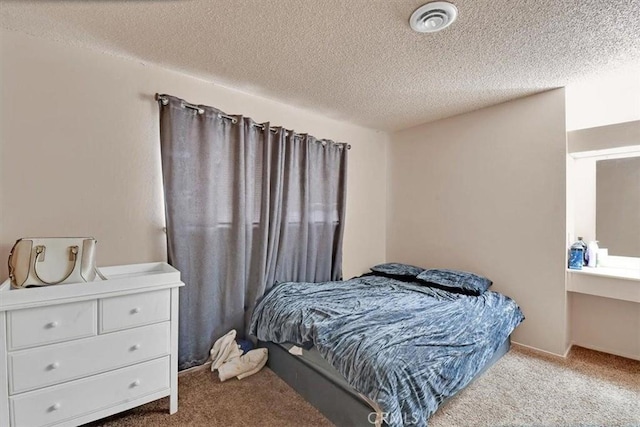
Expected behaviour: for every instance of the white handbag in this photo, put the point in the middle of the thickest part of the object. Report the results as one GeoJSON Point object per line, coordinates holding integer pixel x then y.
{"type": "Point", "coordinates": [46, 261]}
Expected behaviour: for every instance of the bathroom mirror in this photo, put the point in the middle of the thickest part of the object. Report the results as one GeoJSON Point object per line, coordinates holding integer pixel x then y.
{"type": "Point", "coordinates": [618, 205]}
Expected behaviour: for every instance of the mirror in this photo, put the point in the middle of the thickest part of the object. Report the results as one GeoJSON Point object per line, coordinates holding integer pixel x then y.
{"type": "Point", "coordinates": [618, 205]}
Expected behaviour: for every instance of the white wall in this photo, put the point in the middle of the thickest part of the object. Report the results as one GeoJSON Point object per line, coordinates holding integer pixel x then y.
{"type": "Point", "coordinates": [612, 97]}
{"type": "Point", "coordinates": [611, 139]}
{"type": "Point", "coordinates": [485, 192]}
{"type": "Point", "coordinates": [80, 153]}
{"type": "Point", "coordinates": [605, 324]}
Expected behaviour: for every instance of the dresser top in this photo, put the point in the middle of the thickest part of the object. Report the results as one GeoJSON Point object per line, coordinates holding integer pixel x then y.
{"type": "Point", "coordinates": [121, 280]}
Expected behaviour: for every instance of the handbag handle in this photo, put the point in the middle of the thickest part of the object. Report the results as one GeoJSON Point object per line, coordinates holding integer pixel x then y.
{"type": "Point", "coordinates": [40, 250]}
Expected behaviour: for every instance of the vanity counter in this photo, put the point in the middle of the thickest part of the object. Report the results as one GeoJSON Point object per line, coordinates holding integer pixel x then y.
{"type": "Point", "coordinates": [616, 273]}
{"type": "Point", "coordinates": [617, 283]}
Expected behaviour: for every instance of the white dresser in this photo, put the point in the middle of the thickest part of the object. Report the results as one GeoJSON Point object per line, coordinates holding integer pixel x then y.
{"type": "Point", "coordinates": [71, 354]}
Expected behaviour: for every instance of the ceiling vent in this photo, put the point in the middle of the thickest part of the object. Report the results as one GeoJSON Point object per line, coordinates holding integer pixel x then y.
{"type": "Point", "coordinates": [433, 17]}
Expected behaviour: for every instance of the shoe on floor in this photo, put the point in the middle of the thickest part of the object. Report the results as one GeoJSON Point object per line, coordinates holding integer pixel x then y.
{"type": "Point", "coordinates": [244, 365]}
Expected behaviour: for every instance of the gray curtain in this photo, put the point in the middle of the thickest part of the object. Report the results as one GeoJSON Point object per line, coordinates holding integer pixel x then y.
{"type": "Point", "coordinates": [246, 207]}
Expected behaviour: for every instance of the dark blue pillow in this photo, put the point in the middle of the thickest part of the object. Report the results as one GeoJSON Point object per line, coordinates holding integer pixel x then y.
{"type": "Point", "coordinates": [456, 281]}
{"type": "Point", "coordinates": [397, 269]}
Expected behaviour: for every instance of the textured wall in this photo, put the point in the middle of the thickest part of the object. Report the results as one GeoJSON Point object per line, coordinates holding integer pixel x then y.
{"type": "Point", "coordinates": [80, 152]}
{"type": "Point", "coordinates": [485, 192]}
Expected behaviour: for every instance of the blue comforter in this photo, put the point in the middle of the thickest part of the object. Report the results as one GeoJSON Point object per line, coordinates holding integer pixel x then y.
{"type": "Point", "coordinates": [404, 345]}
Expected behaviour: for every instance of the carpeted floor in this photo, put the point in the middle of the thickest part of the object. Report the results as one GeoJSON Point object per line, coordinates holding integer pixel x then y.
{"type": "Point", "coordinates": [525, 388]}
{"type": "Point", "coordinates": [530, 388]}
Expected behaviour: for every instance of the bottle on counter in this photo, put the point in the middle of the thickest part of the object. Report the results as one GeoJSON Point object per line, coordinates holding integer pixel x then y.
{"type": "Point", "coordinates": [585, 254]}
{"type": "Point", "coordinates": [576, 255]}
{"type": "Point", "coordinates": [592, 253]}
{"type": "Point", "coordinates": [603, 253]}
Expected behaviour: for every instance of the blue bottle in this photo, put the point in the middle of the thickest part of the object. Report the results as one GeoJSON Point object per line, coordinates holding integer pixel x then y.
{"type": "Point", "coordinates": [585, 252]}
{"type": "Point", "coordinates": [576, 256]}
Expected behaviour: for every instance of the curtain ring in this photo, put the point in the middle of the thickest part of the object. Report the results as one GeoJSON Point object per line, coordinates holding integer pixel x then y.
{"type": "Point", "coordinates": [192, 107]}
{"type": "Point", "coordinates": [162, 99]}
{"type": "Point", "coordinates": [232, 119]}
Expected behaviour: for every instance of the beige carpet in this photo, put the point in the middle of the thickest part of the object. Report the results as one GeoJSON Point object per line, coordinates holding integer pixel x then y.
{"type": "Point", "coordinates": [530, 388]}
{"type": "Point", "coordinates": [525, 388]}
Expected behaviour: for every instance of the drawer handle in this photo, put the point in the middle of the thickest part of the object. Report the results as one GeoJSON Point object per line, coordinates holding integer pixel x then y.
{"type": "Point", "coordinates": [135, 347]}
{"type": "Point", "coordinates": [135, 310]}
{"type": "Point", "coordinates": [55, 407]}
{"type": "Point", "coordinates": [136, 383]}
{"type": "Point", "coordinates": [52, 325]}
{"type": "Point", "coordinates": [54, 365]}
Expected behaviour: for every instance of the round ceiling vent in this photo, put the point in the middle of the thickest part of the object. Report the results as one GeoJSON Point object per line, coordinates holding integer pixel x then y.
{"type": "Point", "coordinates": [433, 17]}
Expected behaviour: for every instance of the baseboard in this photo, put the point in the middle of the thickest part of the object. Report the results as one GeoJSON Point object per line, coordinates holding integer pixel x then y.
{"type": "Point", "coordinates": [195, 369]}
{"type": "Point", "coordinates": [606, 350]}
{"type": "Point", "coordinates": [543, 351]}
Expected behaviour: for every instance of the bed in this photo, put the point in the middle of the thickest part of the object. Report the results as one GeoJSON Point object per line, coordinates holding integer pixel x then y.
{"type": "Point", "coordinates": [378, 349]}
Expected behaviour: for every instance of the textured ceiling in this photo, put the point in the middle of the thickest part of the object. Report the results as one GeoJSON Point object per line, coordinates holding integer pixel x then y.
{"type": "Point", "coordinates": [355, 60]}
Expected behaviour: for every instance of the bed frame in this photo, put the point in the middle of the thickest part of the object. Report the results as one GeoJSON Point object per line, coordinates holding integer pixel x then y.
{"type": "Point", "coordinates": [342, 406]}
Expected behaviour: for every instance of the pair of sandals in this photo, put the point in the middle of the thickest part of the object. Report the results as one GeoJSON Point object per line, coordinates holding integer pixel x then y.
{"type": "Point", "coordinates": [228, 360]}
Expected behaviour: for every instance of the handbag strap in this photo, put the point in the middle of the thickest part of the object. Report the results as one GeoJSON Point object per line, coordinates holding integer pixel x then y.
{"type": "Point", "coordinates": [40, 250]}
{"type": "Point", "coordinates": [12, 276]}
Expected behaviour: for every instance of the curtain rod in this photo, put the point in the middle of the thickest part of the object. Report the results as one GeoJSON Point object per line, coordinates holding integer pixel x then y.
{"type": "Point", "coordinates": [165, 101]}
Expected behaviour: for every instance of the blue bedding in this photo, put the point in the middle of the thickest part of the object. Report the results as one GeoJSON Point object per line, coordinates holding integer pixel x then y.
{"type": "Point", "coordinates": [404, 345]}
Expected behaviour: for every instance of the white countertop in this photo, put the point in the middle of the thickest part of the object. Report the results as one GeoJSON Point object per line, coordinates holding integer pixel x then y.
{"type": "Point", "coordinates": [608, 282]}
{"type": "Point", "coordinates": [616, 273]}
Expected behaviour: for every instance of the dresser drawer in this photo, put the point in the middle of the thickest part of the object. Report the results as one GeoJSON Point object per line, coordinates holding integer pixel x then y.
{"type": "Point", "coordinates": [53, 364]}
{"type": "Point", "coordinates": [134, 310]}
{"type": "Point", "coordinates": [45, 325]}
{"type": "Point", "coordinates": [64, 402]}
